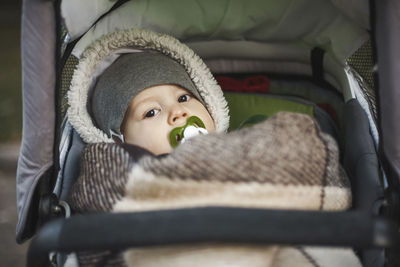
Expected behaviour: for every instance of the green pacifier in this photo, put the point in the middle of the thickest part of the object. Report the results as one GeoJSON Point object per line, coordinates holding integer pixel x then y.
{"type": "Point", "coordinates": [193, 127]}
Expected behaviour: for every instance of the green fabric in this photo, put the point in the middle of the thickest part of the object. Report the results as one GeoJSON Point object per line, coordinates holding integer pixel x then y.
{"type": "Point", "coordinates": [253, 120]}
{"type": "Point", "coordinates": [244, 108]}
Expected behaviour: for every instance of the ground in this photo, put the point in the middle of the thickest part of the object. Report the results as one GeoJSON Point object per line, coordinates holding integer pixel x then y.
{"type": "Point", "coordinates": [11, 254]}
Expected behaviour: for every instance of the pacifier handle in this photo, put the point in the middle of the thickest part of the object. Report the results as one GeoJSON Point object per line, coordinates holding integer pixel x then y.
{"type": "Point", "coordinates": [177, 134]}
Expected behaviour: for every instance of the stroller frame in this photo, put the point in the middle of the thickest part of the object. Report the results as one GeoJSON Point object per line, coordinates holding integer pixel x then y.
{"type": "Point", "coordinates": [369, 225]}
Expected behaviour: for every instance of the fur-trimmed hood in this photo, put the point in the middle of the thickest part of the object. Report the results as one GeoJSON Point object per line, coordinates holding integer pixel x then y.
{"type": "Point", "coordinates": [105, 50]}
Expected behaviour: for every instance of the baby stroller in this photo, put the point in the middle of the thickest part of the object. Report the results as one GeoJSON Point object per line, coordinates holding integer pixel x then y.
{"type": "Point", "coordinates": [328, 45]}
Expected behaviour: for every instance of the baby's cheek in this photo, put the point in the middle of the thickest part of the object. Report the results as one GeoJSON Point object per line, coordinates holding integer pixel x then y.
{"type": "Point", "coordinates": [210, 125]}
{"type": "Point", "coordinates": [161, 147]}
{"type": "Point", "coordinates": [158, 141]}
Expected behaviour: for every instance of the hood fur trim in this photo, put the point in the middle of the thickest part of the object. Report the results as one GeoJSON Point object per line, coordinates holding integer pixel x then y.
{"type": "Point", "coordinates": [201, 76]}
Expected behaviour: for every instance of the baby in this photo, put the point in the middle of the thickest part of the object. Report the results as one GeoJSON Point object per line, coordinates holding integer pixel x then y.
{"type": "Point", "coordinates": [147, 99]}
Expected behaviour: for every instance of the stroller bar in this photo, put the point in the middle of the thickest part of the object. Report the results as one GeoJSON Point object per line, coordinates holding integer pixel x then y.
{"type": "Point", "coordinates": [210, 224]}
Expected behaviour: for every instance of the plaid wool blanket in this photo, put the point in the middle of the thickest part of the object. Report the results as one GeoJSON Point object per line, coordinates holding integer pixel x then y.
{"type": "Point", "coordinates": [285, 162]}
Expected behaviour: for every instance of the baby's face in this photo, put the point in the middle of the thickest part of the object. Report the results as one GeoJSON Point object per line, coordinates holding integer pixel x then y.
{"type": "Point", "coordinates": [155, 111]}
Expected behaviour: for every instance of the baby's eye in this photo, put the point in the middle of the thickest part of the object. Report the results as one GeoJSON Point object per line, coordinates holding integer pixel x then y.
{"type": "Point", "coordinates": [184, 98]}
{"type": "Point", "coordinates": [151, 113]}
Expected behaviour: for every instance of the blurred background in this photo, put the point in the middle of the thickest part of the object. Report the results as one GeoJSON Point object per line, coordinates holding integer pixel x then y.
{"type": "Point", "coordinates": [11, 254]}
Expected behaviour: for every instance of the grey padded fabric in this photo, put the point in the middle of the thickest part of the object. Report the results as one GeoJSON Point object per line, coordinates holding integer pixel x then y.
{"type": "Point", "coordinates": [360, 158]}
{"type": "Point", "coordinates": [38, 82]}
{"type": "Point", "coordinates": [72, 165]}
{"type": "Point", "coordinates": [362, 166]}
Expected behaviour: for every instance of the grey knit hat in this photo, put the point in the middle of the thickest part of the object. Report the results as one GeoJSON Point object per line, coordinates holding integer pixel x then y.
{"type": "Point", "coordinates": [125, 78]}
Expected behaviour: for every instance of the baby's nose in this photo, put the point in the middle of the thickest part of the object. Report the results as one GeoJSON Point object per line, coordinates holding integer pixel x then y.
{"type": "Point", "coordinates": [178, 115]}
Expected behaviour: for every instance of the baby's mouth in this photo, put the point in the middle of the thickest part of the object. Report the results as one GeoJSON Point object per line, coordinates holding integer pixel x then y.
{"type": "Point", "coordinates": [193, 127]}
